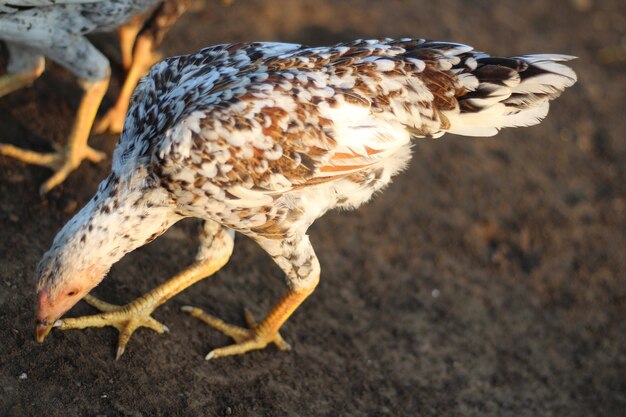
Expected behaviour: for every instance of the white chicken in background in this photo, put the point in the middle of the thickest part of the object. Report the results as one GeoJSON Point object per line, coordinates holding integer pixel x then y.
{"type": "Point", "coordinates": [56, 29]}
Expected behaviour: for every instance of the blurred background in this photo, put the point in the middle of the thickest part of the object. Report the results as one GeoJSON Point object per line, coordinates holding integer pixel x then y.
{"type": "Point", "coordinates": [487, 280]}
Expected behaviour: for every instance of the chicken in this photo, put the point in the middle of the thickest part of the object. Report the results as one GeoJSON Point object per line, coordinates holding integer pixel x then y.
{"type": "Point", "coordinates": [33, 29]}
{"type": "Point", "coordinates": [263, 139]}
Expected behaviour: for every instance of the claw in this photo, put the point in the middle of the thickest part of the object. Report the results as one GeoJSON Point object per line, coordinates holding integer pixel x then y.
{"type": "Point", "coordinates": [120, 352]}
{"type": "Point", "coordinates": [124, 318]}
{"type": "Point", "coordinates": [245, 339]}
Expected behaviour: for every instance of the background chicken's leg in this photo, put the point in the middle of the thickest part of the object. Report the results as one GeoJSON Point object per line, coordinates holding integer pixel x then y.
{"type": "Point", "coordinates": [127, 33]}
{"type": "Point", "coordinates": [93, 69]}
{"type": "Point", "coordinates": [25, 66]}
{"type": "Point", "coordinates": [146, 39]}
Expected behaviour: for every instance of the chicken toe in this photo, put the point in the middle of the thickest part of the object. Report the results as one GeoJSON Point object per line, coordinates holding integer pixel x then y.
{"type": "Point", "coordinates": [245, 338]}
{"type": "Point", "coordinates": [126, 319]}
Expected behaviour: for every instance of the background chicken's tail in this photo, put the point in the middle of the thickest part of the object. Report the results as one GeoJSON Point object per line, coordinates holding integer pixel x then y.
{"type": "Point", "coordinates": [507, 92]}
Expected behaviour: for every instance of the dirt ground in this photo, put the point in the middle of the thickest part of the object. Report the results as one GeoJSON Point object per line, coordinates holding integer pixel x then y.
{"type": "Point", "coordinates": [488, 280]}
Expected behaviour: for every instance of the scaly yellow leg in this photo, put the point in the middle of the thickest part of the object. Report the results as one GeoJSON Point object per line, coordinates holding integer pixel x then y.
{"type": "Point", "coordinates": [13, 82]}
{"type": "Point", "coordinates": [256, 336]}
{"type": "Point", "coordinates": [143, 58]}
{"type": "Point", "coordinates": [127, 33]}
{"type": "Point", "coordinates": [136, 314]}
{"type": "Point", "coordinates": [69, 158]}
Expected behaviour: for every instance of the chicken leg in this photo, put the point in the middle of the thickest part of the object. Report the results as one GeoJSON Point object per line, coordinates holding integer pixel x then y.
{"type": "Point", "coordinates": [66, 160]}
{"type": "Point", "coordinates": [84, 60]}
{"type": "Point", "coordinates": [13, 82]}
{"type": "Point", "coordinates": [297, 258]}
{"type": "Point", "coordinates": [25, 65]}
{"type": "Point", "coordinates": [127, 34]}
{"type": "Point", "coordinates": [216, 248]}
{"type": "Point", "coordinates": [142, 58]}
{"type": "Point", "coordinates": [256, 336]}
{"type": "Point", "coordinates": [138, 46]}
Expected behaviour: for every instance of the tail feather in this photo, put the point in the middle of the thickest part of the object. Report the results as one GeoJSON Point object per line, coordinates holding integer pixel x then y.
{"type": "Point", "coordinates": [508, 92]}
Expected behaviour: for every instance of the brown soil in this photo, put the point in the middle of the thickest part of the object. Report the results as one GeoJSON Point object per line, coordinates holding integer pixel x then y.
{"type": "Point", "coordinates": [488, 280]}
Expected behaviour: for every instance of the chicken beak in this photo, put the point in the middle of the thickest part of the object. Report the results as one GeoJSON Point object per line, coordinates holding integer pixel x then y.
{"type": "Point", "coordinates": [42, 330]}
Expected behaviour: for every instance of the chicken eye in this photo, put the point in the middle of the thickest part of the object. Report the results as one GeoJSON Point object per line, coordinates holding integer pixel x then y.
{"type": "Point", "coordinates": [72, 293]}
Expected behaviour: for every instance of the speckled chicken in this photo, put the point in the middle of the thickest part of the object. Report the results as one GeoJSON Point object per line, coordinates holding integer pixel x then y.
{"type": "Point", "coordinates": [33, 29]}
{"type": "Point", "coordinates": [263, 139]}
